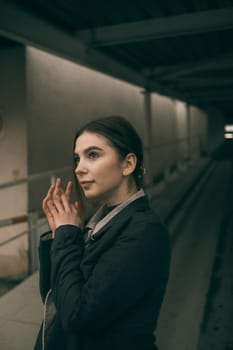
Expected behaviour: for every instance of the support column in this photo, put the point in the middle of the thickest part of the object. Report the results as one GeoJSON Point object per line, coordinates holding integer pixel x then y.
{"type": "Point", "coordinates": [33, 239]}
{"type": "Point", "coordinates": [148, 140]}
{"type": "Point", "coordinates": [189, 135]}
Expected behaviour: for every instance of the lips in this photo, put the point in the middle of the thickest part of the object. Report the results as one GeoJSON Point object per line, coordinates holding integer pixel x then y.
{"type": "Point", "coordinates": [83, 183]}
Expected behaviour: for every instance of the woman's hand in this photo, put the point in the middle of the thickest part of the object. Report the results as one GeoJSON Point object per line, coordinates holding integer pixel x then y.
{"type": "Point", "coordinates": [46, 209]}
{"type": "Point", "coordinates": [57, 207]}
{"type": "Point", "coordinates": [60, 211]}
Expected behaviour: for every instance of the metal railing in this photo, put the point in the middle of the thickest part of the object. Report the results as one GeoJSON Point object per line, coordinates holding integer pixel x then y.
{"type": "Point", "coordinates": [45, 175]}
{"type": "Point", "coordinates": [34, 219]}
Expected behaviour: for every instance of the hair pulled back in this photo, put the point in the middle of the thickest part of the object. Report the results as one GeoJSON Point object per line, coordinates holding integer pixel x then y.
{"type": "Point", "coordinates": [122, 136]}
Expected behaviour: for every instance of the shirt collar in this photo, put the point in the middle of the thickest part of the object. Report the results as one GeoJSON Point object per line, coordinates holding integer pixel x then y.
{"type": "Point", "coordinates": [95, 223]}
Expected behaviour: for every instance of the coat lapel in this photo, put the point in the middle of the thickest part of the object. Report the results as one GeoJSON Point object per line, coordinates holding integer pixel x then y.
{"type": "Point", "coordinates": [104, 238]}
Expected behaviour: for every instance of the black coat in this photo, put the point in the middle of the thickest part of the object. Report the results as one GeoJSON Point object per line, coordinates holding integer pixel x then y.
{"type": "Point", "coordinates": [107, 293]}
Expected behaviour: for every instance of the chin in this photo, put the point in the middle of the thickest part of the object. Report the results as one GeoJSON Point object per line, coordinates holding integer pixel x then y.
{"type": "Point", "coordinates": [90, 195]}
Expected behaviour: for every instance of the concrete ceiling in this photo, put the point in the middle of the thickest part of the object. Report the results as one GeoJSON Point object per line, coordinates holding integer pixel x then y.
{"type": "Point", "coordinates": [180, 48]}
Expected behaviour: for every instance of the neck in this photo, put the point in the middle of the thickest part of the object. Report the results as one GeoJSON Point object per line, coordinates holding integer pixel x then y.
{"type": "Point", "coordinates": [120, 196]}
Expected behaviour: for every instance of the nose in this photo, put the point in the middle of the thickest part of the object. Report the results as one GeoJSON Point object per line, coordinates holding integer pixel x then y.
{"type": "Point", "coordinates": [80, 168]}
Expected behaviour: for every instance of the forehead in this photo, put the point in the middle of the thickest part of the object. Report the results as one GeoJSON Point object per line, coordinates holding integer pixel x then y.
{"type": "Point", "coordinates": [89, 139]}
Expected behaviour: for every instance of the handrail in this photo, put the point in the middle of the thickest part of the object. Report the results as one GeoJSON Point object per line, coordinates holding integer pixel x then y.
{"type": "Point", "coordinates": [33, 177]}
{"type": "Point", "coordinates": [52, 172]}
{"type": "Point", "coordinates": [25, 218]}
{"type": "Point", "coordinates": [21, 234]}
{"type": "Point", "coordinates": [32, 218]}
{"type": "Point", "coordinates": [18, 219]}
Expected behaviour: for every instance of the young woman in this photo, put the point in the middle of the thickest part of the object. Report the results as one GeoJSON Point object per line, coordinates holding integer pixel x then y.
{"type": "Point", "coordinates": [103, 281]}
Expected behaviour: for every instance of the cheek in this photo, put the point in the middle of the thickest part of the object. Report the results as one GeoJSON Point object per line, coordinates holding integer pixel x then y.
{"type": "Point", "coordinates": [108, 168]}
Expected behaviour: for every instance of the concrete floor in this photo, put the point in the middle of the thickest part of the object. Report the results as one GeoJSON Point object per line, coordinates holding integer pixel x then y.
{"type": "Point", "coordinates": [217, 324]}
{"type": "Point", "coordinates": [21, 312]}
{"type": "Point", "coordinates": [183, 324]}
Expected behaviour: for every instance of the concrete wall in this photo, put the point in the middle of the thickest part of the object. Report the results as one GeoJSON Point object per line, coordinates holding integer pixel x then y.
{"type": "Point", "coordinates": [62, 96]}
{"type": "Point", "coordinates": [215, 133]}
{"type": "Point", "coordinates": [182, 132]}
{"type": "Point", "coordinates": [13, 145]}
{"type": "Point", "coordinates": [179, 133]}
{"type": "Point", "coordinates": [198, 131]}
{"type": "Point", "coordinates": [163, 132]}
{"type": "Point", "coordinates": [44, 99]}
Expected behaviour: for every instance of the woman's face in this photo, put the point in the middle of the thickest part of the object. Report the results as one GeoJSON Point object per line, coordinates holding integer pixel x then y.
{"type": "Point", "coordinates": [99, 169]}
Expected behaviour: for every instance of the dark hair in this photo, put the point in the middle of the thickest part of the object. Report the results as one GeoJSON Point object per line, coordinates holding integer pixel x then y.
{"type": "Point", "coordinates": [122, 136]}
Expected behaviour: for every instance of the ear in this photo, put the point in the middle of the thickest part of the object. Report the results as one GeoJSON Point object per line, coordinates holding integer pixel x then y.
{"type": "Point", "coordinates": [129, 164]}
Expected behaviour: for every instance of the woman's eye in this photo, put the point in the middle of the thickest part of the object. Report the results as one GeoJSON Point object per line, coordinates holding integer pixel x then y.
{"type": "Point", "coordinates": [92, 155]}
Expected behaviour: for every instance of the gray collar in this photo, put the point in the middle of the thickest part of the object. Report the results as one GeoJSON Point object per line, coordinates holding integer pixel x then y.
{"type": "Point", "coordinates": [95, 224]}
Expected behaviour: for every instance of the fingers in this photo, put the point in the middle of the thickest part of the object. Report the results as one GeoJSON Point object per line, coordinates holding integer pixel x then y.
{"type": "Point", "coordinates": [58, 189]}
{"type": "Point", "coordinates": [52, 208]}
{"type": "Point", "coordinates": [68, 190]}
{"type": "Point", "coordinates": [65, 205]}
{"type": "Point", "coordinates": [56, 196]}
{"type": "Point", "coordinates": [58, 201]}
{"type": "Point", "coordinates": [65, 202]}
{"type": "Point", "coordinates": [47, 198]}
{"type": "Point", "coordinates": [58, 204]}
{"type": "Point", "coordinates": [63, 212]}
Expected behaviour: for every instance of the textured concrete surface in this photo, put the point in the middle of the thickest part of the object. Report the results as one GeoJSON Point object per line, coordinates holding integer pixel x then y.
{"type": "Point", "coordinates": [20, 316]}
{"type": "Point", "coordinates": [13, 266]}
{"type": "Point", "coordinates": [193, 258]}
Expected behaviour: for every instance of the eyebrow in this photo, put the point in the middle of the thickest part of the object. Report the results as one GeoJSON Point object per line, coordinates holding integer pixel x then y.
{"type": "Point", "coordinates": [91, 148]}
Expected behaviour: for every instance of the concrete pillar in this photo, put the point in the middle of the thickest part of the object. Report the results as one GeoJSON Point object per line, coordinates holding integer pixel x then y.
{"type": "Point", "coordinates": [33, 238]}
{"type": "Point", "coordinates": [189, 135]}
{"type": "Point", "coordinates": [148, 141]}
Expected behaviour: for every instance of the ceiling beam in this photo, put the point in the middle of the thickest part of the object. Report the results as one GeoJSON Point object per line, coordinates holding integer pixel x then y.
{"type": "Point", "coordinates": [27, 29]}
{"type": "Point", "coordinates": [220, 62]}
{"type": "Point", "coordinates": [214, 94]}
{"type": "Point", "coordinates": [165, 27]}
{"type": "Point", "coordinates": [205, 81]}
{"type": "Point", "coordinates": [212, 98]}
